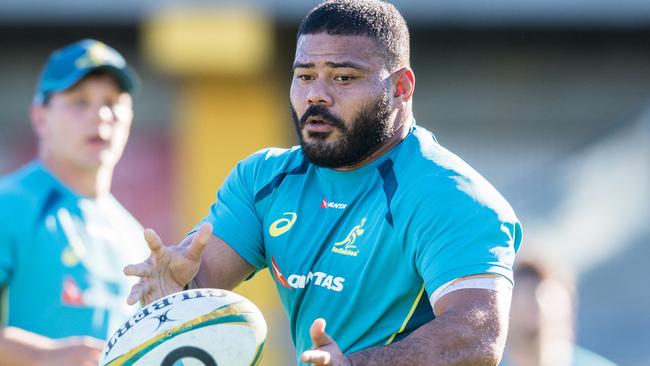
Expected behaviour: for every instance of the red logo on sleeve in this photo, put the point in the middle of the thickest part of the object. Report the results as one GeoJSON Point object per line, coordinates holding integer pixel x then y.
{"type": "Point", "coordinates": [71, 294]}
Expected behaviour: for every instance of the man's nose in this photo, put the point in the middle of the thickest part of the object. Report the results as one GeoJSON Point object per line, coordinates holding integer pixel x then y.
{"type": "Point", "coordinates": [319, 93]}
{"type": "Point", "coordinates": [105, 113]}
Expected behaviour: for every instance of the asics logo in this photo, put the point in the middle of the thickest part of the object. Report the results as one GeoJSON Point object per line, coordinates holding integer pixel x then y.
{"type": "Point", "coordinates": [281, 226]}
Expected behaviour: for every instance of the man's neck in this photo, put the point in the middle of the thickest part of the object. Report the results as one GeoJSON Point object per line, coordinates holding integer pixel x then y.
{"type": "Point", "coordinates": [93, 183]}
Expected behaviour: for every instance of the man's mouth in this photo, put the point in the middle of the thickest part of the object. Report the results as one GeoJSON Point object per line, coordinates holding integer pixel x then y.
{"type": "Point", "coordinates": [318, 125]}
{"type": "Point", "coordinates": [97, 140]}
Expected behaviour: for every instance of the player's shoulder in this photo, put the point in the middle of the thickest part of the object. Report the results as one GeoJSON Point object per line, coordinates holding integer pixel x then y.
{"type": "Point", "coordinates": [22, 191]}
{"type": "Point", "coordinates": [428, 171]}
{"type": "Point", "coordinates": [21, 183]}
{"type": "Point", "coordinates": [421, 153]}
{"type": "Point", "coordinates": [272, 161]}
{"type": "Point", "coordinates": [422, 162]}
{"type": "Point", "coordinates": [275, 156]}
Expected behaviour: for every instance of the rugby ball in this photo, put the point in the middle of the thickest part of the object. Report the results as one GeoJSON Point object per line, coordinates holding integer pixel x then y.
{"type": "Point", "coordinates": [209, 327]}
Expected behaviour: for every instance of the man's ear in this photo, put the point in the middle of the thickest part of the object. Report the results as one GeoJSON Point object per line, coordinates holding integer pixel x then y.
{"type": "Point", "coordinates": [38, 117]}
{"type": "Point", "coordinates": [404, 84]}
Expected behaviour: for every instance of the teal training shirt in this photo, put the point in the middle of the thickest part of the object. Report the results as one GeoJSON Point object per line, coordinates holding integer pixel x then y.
{"type": "Point", "coordinates": [364, 249]}
{"type": "Point", "coordinates": [61, 257]}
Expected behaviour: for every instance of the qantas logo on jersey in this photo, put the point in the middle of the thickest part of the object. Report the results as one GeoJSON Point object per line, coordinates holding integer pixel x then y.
{"type": "Point", "coordinates": [317, 279]}
{"type": "Point", "coordinates": [299, 281]}
{"type": "Point", "coordinates": [338, 206]}
{"type": "Point", "coordinates": [347, 246]}
{"type": "Point", "coordinates": [281, 226]}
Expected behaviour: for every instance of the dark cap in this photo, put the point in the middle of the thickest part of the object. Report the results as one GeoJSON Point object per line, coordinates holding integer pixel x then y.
{"type": "Point", "coordinates": [68, 65]}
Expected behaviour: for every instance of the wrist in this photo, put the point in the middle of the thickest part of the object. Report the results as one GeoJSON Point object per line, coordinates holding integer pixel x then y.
{"type": "Point", "coordinates": [24, 347]}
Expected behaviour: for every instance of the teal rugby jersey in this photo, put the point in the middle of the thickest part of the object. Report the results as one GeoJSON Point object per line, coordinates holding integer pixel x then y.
{"type": "Point", "coordinates": [61, 257]}
{"type": "Point", "coordinates": [364, 249]}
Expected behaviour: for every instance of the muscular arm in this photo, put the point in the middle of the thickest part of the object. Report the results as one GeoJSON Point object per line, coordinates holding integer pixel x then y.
{"type": "Point", "coordinates": [19, 347]}
{"type": "Point", "coordinates": [202, 259]}
{"type": "Point", "coordinates": [470, 330]}
{"type": "Point", "coordinates": [221, 267]}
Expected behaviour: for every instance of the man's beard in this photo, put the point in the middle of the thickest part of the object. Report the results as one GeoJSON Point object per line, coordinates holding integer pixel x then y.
{"type": "Point", "coordinates": [370, 129]}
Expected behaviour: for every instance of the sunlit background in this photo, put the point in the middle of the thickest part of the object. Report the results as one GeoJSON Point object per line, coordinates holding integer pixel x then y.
{"type": "Point", "coordinates": [549, 99]}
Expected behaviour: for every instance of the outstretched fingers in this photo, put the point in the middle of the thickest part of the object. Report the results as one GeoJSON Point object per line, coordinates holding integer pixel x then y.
{"type": "Point", "coordinates": [138, 292]}
{"type": "Point", "coordinates": [140, 269]}
{"type": "Point", "coordinates": [154, 242]}
{"type": "Point", "coordinates": [147, 270]}
{"type": "Point", "coordinates": [199, 241]}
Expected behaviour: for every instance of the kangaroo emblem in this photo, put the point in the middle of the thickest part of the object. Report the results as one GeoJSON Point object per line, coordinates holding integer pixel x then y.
{"type": "Point", "coordinates": [351, 238]}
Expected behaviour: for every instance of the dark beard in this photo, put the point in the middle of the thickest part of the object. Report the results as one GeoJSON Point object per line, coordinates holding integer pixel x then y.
{"type": "Point", "coordinates": [370, 129]}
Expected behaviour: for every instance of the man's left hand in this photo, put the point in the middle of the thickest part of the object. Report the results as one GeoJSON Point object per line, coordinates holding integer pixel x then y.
{"type": "Point", "coordinates": [324, 352]}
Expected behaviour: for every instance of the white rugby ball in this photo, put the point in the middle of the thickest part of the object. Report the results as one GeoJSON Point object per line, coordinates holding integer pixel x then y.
{"type": "Point", "coordinates": [207, 327]}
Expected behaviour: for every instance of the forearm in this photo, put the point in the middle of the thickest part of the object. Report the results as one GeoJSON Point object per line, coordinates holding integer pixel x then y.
{"type": "Point", "coordinates": [221, 267]}
{"type": "Point", "coordinates": [471, 336]}
{"type": "Point", "coordinates": [19, 347]}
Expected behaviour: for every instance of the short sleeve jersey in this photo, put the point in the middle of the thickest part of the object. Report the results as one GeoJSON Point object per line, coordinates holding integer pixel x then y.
{"type": "Point", "coordinates": [365, 249]}
{"type": "Point", "coordinates": [61, 257]}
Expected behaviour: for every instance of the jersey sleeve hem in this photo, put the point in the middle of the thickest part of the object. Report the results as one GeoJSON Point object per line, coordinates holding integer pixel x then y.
{"type": "Point", "coordinates": [250, 256]}
{"type": "Point", "coordinates": [469, 270]}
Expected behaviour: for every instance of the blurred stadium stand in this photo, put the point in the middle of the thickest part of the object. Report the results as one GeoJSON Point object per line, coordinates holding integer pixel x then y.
{"type": "Point", "coordinates": [548, 99]}
{"type": "Point", "coordinates": [624, 13]}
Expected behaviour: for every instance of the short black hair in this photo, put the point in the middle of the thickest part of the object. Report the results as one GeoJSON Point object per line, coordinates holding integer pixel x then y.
{"type": "Point", "coordinates": [372, 18]}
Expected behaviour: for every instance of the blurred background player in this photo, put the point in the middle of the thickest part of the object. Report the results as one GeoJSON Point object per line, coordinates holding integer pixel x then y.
{"type": "Point", "coordinates": [542, 320]}
{"type": "Point", "coordinates": [63, 237]}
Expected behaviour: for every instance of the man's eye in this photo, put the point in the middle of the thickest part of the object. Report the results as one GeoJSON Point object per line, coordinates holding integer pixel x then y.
{"type": "Point", "coordinates": [344, 78]}
{"type": "Point", "coordinates": [80, 103]}
{"type": "Point", "coordinates": [111, 103]}
{"type": "Point", "coordinates": [304, 77]}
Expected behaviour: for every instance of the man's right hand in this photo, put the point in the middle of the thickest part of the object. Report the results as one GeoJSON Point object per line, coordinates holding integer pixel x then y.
{"type": "Point", "coordinates": [82, 351]}
{"type": "Point", "coordinates": [169, 268]}
{"type": "Point", "coordinates": [19, 347]}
